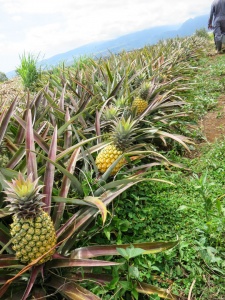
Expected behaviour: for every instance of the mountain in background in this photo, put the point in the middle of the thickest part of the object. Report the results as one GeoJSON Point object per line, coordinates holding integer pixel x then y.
{"type": "Point", "coordinates": [126, 42]}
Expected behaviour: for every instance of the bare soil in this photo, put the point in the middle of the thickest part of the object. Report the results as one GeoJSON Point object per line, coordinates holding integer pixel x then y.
{"type": "Point", "coordinates": [213, 123]}
{"type": "Point", "coordinates": [10, 89]}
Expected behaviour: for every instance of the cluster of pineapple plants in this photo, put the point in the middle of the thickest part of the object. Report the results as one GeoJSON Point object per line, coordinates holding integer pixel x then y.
{"type": "Point", "coordinates": [101, 122]}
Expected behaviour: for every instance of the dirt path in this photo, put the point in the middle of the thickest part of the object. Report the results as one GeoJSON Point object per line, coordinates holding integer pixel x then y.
{"type": "Point", "coordinates": [213, 123]}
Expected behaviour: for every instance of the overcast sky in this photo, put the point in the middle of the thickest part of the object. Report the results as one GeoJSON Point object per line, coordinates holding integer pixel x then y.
{"type": "Point", "coordinates": [50, 27]}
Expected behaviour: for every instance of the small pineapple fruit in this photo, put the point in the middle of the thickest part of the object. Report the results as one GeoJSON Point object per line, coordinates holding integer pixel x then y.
{"type": "Point", "coordinates": [122, 137]}
{"type": "Point", "coordinates": [109, 113]}
{"type": "Point", "coordinates": [139, 105]}
{"type": "Point", "coordinates": [106, 158]}
{"type": "Point", "coordinates": [32, 230]}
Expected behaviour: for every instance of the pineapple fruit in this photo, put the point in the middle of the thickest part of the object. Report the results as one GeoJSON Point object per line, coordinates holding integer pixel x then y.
{"type": "Point", "coordinates": [122, 136]}
{"type": "Point", "coordinates": [106, 158]}
{"type": "Point", "coordinates": [140, 103]}
{"type": "Point", "coordinates": [32, 230]}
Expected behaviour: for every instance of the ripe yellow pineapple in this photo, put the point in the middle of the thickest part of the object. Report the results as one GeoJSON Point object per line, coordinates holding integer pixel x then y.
{"type": "Point", "coordinates": [122, 137]}
{"type": "Point", "coordinates": [140, 103]}
{"type": "Point", "coordinates": [32, 230]}
{"type": "Point", "coordinates": [107, 157]}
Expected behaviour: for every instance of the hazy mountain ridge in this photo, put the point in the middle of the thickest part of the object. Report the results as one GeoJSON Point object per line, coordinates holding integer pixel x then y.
{"type": "Point", "coordinates": [126, 42]}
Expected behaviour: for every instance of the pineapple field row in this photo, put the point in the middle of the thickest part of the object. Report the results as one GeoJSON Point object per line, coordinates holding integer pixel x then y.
{"type": "Point", "coordinates": [78, 140]}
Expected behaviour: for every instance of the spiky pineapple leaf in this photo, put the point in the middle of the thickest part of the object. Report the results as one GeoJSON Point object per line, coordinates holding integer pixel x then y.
{"type": "Point", "coordinates": [73, 179]}
{"type": "Point", "coordinates": [30, 148]}
{"type": "Point", "coordinates": [5, 120]}
{"type": "Point", "coordinates": [88, 201]}
{"type": "Point", "coordinates": [148, 289]}
{"type": "Point", "coordinates": [49, 173]}
{"type": "Point", "coordinates": [70, 262]}
{"type": "Point", "coordinates": [9, 261]}
{"type": "Point", "coordinates": [71, 290]}
{"type": "Point", "coordinates": [37, 137]}
{"type": "Point", "coordinates": [4, 212]}
{"type": "Point", "coordinates": [99, 204]}
{"type": "Point", "coordinates": [60, 206]}
{"type": "Point", "coordinates": [95, 251]}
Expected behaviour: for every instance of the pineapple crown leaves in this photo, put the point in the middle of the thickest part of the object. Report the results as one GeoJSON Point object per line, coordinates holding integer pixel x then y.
{"type": "Point", "coordinates": [110, 112]}
{"type": "Point", "coordinates": [123, 132]}
{"type": "Point", "coordinates": [23, 195]}
{"type": "Point", "coordinates": [145, 91]}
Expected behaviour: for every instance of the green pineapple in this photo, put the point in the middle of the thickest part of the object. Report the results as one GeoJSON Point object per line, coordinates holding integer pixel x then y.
{"type": "Point", "coordinates": [32, 230]}
{"type": "Point", "coordinates": [110, 113]}
{"type": "Point", "coordinates": [145, 91]}
{"type": "Point", "coordinates": [122, 136]}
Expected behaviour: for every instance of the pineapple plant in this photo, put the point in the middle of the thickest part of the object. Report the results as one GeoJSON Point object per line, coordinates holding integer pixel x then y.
{"type": "Point", "coordinates": [122, 136]}
{"type": "Point", "coordinates": [32, 230]}
{"type": "Point", "coordinates": [140, 103]}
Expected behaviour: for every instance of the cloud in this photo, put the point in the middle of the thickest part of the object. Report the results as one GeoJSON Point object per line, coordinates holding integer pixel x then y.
{"type": "Point", "coordinates": [54, 26]}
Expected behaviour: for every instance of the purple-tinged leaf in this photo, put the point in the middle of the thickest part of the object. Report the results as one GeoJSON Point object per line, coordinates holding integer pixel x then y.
{"type": "Point", "coordinates": [98, 278]}
{"type": "Point", "coordinates": [9, 261]}
{"type": "Point", "coordinates": [69, 262]}
{"type": "Point", "coordinates": [37, 137]}
{"type": "Point", "coordinates": [148, 289]}
{"type": "Point", "coordinates": [10, 145]}
{"type": "Point", "coordinates": [34, 272]}
{"type": "Point", "coordinates": [113, 93]}
{"type": "Point", "coordinates": [121, 185]}
{"type": "Point", "coordinates": [98, 126]}
{"type": "Point", "coordinates": [75, 222]}
{"type": "Point", "coordinates": [52, 117]}
{"type": "Point", "coordinates": [62, 97]}
{"type": "Point", "coordinates": [68, 132]}
{"type": "Point", "coordinates": [76, 108]}
{"type": "Point", "coordinates": [95, 251]}
{"type": "Point", "coordinates": [72, 119]}
{"type": "Point", "coordinates": [6, 119]}
{"type": "Point", "coordinates": [180, 139]}
{"type": "Point", "coordinates": [49, 173]}
{"type": "Point", "coordinates": [70, 168]}
{"type": "Point", "coordinates": [59, 208]}
{"type": "Point", "coordinates": [73, 179]}
{"type": "Point", "coordinates": [53, 105]}
{"type": "Point", "coordinates": [71, 290]}
{"type": "Point", "coordinates": [2, 115]}
{"type": "Point", "coordinates": [73, 201]}
{"type": "Point", "coordinates": [30, 149]}
{"type": "Point", "coordinates": [39, 293]}
{"type": "Point", "coordinates": [72, 148]}
{"type": "Point", "coordinates": [16, 158]}
{"type": "Point", "coordinates": [21, 130]}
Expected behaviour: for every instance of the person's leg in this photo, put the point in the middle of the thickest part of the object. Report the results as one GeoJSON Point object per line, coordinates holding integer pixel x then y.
{"type": "Point", "coordinates": [218, 36]}
{"type": "Point", "coordinates": [222, 28]}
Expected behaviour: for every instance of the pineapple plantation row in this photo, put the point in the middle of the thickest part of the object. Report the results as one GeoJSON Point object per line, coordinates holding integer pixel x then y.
{"type": "Point", "coordinates": [75, 141]}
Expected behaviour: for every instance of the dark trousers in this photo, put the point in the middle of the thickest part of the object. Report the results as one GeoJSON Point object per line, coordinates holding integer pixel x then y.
{"type": "Point", "coordinates": [219, 29]}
